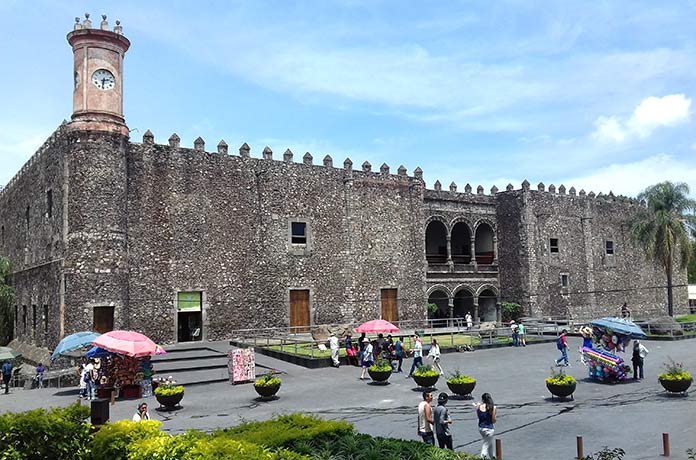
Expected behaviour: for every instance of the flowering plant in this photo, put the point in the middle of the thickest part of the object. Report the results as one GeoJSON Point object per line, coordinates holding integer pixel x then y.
{"type": "Point", "coordinates": [381, 365]}
{"type": "Point", "coordinates": [426, 370]}
{"type": "Point", "coordinates": [673, 371]}
{"type": "Point", "coordinates": [559, 377]}
{"type": "Point", "coordinates": [268, 379]}
{"type": "Point", "coordinates": [457, 377]}
{"type": "Point", "coordinates": [167, 386]}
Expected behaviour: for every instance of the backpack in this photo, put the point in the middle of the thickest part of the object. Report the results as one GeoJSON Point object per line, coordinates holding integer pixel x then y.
{"type": "Point", "coordinates": [559, 343]}
{"type": "Point", "coordinates": [85, 378]}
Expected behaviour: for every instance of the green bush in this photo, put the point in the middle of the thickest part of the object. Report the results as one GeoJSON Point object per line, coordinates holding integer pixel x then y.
{"type": "Point", "coordinates": [673, 371]}
{"type": "Point", "coordinates": [164, 391]}
{"type": "Point", "coordinates": [113, 440]}
{"type": "Point", "coordinates": [510, 310]}
{"type": "Point", "coordinates": [286, 430]}
{"type": "Point", "coordinates": [560, 378]}
{"type": "Point", "coordinates": [61, 433]}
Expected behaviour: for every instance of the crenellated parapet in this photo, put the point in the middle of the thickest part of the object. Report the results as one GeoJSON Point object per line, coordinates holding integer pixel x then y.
{"type": "Point", "coordinates": [174, 145]}
{"type": "Point", "coordinates": [571, 192]}
{"type": "Point", "coordinates": [50, 142]}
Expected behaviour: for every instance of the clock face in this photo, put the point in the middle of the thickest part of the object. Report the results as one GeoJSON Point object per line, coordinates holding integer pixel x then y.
{"type": "Point", "coordinates": [103, 79]}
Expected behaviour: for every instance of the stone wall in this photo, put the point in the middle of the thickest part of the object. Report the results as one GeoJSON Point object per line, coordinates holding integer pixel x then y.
{"type": "Point", "coordinates": [599, 283]}
{"type": "Point", "coordinates": [223, 227]}
{"type": "Point", "coordinates": [32, 237]}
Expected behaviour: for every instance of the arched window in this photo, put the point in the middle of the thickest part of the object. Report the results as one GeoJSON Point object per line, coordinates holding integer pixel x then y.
{"type": "Point", "coordinates": [487, 302]}
{"type": "Point", "coordinates": [436, 243]}
{"type": "Point", "coordinates": [484, 244]}
{"type": "Point", "coordinates": [463, 303]}
{"type": "Point", "coordinates": [461, 243]}
{"type": "Point", "coordinates": [440, 299]}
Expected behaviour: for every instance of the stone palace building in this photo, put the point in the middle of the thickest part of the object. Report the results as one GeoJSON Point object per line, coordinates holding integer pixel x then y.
{"type": "Point", "coordinates": [191, 243]}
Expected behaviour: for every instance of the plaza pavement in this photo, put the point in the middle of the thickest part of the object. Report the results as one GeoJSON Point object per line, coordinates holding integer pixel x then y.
{"type": "Point", "coordinates": [631, 415]}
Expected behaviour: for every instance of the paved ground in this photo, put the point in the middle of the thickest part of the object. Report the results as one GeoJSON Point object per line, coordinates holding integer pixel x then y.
{"type": "Point", "coordinates": [630, 415]}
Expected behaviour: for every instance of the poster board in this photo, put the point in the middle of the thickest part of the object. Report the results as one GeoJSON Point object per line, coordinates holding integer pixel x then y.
{"type": "Point", "coordinates": [241, 365]}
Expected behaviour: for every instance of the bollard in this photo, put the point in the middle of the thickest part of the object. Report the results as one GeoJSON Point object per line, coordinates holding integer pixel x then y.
{"type": "Point", "coordinates": [580, 450]}
{"type": "Point", "coordinates": [665, 444]}
{"type": "Point", "coordinates": [498, 449]}
{"type": "Point", "coordinates": [113, 397]}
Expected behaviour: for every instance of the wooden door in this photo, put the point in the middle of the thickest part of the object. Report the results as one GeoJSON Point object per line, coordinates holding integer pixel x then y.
{"type": "Point", "coordinates": [390, 311]}
{"type": "Point", "coordinates": [103, 320]}
{"type": "Point", "coordinates": [299, 310]}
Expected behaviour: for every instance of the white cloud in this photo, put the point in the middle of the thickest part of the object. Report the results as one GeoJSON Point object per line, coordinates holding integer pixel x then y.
{"type": "Point", "coordinates": [632, 178]}
{"type": "Point", "coordinates": [652, 113]}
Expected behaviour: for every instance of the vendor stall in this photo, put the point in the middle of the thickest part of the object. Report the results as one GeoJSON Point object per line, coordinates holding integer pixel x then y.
{"type": "Point", "coordinates": [609, 336]}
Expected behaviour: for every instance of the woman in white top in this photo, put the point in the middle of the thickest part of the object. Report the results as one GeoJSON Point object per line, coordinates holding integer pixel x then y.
{"type": "Point", "coordinates": [435, 354]}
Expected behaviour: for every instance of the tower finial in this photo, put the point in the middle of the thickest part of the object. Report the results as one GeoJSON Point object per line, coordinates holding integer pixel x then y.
{"type": "Point", "coordinates": [104, 25]}
{"type": "Point", "coordinates": [118, 29]}
{"type": "Point", "coordinates": [77, 25]}
{"type": "Point", "coordinates": [87, 24]}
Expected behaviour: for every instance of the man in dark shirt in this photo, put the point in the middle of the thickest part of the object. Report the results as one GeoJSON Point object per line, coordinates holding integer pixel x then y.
{"type": "Point", "coordinates": [7, 375]}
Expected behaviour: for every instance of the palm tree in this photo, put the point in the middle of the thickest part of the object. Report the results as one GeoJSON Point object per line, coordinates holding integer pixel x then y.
{"type": "Point", "coordinates": [662, 228]}
{"type": "Point", "coordinates": [6, 300]}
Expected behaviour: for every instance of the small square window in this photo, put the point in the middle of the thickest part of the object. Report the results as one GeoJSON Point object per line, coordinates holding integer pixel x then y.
{"type": "Point", "coordinates": [609, 247]}
{"type": "Point", "coordinates": [565, 280]}
{"type": "Point", "coordinates": [553, 245]}
{"type": "Point", "coordinates": [299, 232]}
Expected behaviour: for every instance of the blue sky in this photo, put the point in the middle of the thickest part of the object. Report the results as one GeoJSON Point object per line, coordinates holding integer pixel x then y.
{"type": "Point", "coordinates": [596, 95]}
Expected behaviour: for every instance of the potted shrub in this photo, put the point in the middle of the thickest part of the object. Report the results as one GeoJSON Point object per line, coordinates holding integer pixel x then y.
{"type": "Point", "coordinates": [425, 376]}
{"type": "Point", "coordinates": [267, 385]}
{"type": "Point", "coordinates": [675, 379]}
{"type": "Point", "coordinates": [380, 371]}
{"type": "Point", "coordinates": [168, 393]}
{"type": "Point", "coordinates": [461, 384]}
{"type": "Point", "coordinates": [560, 384]}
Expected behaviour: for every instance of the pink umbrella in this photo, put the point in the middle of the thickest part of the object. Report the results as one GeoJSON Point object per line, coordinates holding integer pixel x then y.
{"type": "Point", "coordinates": [129, 343]}
{"type": "Point", "coordinates": [377, 325]}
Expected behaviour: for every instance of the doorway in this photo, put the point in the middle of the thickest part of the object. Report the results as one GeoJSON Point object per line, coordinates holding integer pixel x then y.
{"type": "Point", "coordinates": [299, 311]}
{"type": "Point", "coordinates": [390, 311]}
{"type": "Point", "coordinates": [189, 313]}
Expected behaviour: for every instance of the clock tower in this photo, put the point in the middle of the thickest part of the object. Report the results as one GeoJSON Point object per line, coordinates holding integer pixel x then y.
{"type": "Point", "coordinates": [98, 76]}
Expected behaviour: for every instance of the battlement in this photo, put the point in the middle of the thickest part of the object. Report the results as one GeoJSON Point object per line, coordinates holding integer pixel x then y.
{"type": "Point", "coordinates": [525, 187]}
{"type": "Point", "coordinates": [52, 139]}
{"type": "Point", "coordinates": [222, 149]}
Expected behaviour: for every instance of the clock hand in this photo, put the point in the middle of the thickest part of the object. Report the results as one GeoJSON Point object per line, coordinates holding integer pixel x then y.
{"type": "Point", "coordinates": [103, 83]}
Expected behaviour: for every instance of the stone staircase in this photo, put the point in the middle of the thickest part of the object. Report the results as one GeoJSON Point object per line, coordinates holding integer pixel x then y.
{"type": "Point", "coordinates": [192, 364]}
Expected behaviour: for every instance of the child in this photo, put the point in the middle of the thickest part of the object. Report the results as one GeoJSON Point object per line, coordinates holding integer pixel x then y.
{"type": "Point", "coordinates": [40, 369]}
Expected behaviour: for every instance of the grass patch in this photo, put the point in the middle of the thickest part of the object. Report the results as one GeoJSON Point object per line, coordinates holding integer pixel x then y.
{"type": "Point", "coordinates": [686, 318]}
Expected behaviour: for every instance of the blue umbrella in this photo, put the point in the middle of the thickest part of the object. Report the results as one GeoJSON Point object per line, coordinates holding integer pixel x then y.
{"type": "Point", "coordinates": [73, 342]}
{"type": "Point", "coordinates": [620, 326]}
{"type": "Point", "coordinates": [97, 352]}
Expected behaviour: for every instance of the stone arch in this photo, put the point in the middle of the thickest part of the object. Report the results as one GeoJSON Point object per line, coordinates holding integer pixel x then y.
{"type": "Point", "coordinates": [460, 240]}
{"type": "Point", "coordinates": [487, 300]}
{"type": "Point", "coordinates": [484, 242]}
{"type": "Point", "coordinates": [436, 240]}
{"type": "Point", "coordinates": [440, 296]}
{"type": "Point", "coordinates": [463, 301]}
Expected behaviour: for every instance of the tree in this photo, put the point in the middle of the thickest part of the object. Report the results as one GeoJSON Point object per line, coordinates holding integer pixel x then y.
{"type": "Point", "coordinates": [662, 228]}
{"type": "Point", "coordinates": [7, 296]}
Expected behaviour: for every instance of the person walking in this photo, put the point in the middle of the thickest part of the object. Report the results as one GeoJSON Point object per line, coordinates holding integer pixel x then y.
{"type": "Point", "coordinates": [639, 354]}
{"type": "Point", "coordinates": [89, 378]}
{"type": "Point", "coordinates": [486, 412]}
{"type": "Point", "coordinates": [399, 352]}
{"type": "Point", "coordinates": [40, 369]}
{"type": "Point", "coordinates": [520, 334]}
{"type": "Point", "coordinates": [515, 336]}
{"type": "Point", "coordinates": [417, 352]}
{"type": "Point", "coordinates": [368, 357]}
{"type": "Point", "coordinates": [351, 354]}
{"type": "Point", "coordinates": [442, 421]}
{"type": "Point", "coordinates": [434, 353]}
{"type": "Point", "coordinates": [141, 414]}
{"type": "Point", "coordinates": [562, 345]}
{"type": "Point", "coordinates": [425, 419]}
{"type": "Point", "coordinates": [334, 346]}
{"type": "Point", "coordinates": [469, 320]}
{"type": "Point", "coordinates": [7, 375]}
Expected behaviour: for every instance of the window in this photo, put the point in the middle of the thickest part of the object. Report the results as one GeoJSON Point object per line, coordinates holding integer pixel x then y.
{"type": "Point", "coordinates": [565, 280]}
{"type": "Point", "coordinates": [553, 245]}
{"type": "Point", "coordinates": [49, 203]}
{"type": "Point", "coordinates": [24, 318]}
{"type": "Point", "coordinates": [26, 215]}
{"type": "Point", "coordinates": [45, 317]}
{"type": "Point", "coordinates": [298, 232]}
{"type": "Point", "coordinates": [33, 318]}
{"type": "Point", "coordinates": [609, 247]}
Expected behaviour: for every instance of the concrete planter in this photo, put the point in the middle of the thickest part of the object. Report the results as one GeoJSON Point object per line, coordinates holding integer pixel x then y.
{"type": "Point", "coordinates": [562, 391]}
{"type": "Point", "coordinates": [676, 386]}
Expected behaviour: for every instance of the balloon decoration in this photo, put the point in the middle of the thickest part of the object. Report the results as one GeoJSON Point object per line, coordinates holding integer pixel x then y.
{"type": "Point", "coordinates": [610, 340]}
{"type": "Point", "coordinates": [604, 366]}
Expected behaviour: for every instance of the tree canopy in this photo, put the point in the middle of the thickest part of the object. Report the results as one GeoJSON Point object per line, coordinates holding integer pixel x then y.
{"type": "Point", "coordinates": [7, 296]}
